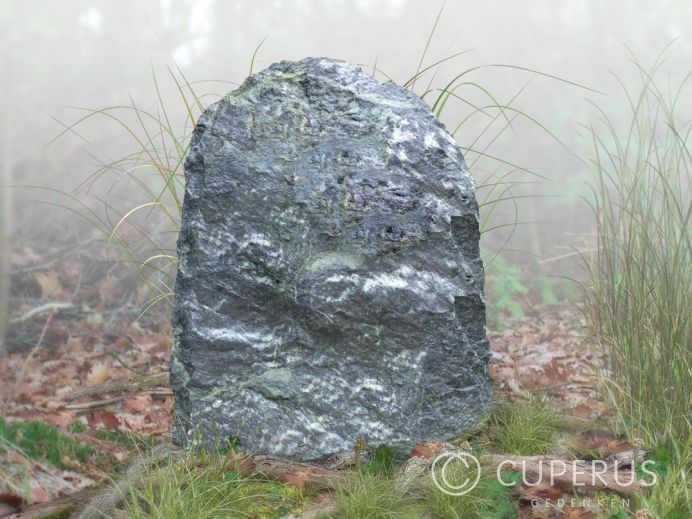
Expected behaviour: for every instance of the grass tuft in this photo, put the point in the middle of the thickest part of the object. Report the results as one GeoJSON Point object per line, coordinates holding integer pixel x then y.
{"type": "Point", "coordinates": [488, 499]}
{"type": "Point", "coordinates": [672, 495]}
{"type": "Point", "coordinates": [524, 427]}
{"type": "Point", "coordinates": [369, 496]}
{"type": "Point", "coordinates": [207, 489]}
{"type": "Point", "coordinates": [381, 462]}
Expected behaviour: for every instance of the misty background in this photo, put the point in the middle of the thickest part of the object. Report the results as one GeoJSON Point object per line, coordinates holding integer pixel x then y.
{"type": "Point", "coordinates": [59, 58]}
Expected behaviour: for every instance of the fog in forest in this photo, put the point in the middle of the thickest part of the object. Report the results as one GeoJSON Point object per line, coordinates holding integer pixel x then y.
{"type": "Point", "coordinates": [525, 125]}
{"type": "Point", "coordinates": [331, 328]}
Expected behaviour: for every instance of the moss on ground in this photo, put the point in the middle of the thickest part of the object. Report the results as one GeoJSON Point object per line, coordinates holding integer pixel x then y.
{"type": "Point", "coordinates": [43, 442]}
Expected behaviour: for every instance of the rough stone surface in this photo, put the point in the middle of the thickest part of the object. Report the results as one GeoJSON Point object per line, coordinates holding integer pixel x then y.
{"type": "Point", "coordinates": [330, 285]}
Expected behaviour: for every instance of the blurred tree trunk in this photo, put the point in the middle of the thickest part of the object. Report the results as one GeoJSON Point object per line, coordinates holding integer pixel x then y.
{"type": "Point", "coordinates": [6, 160]}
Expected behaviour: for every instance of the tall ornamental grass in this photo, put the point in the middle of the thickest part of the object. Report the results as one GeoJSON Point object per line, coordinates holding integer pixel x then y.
{"type": "Point", "coordinates": [640, 303]}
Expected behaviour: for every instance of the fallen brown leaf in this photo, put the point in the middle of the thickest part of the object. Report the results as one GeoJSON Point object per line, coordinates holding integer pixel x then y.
{"type": "Point", "coordinates": [102, 419]}
{"type": "Point", "coordinates": [554, 372]}
{"type": "Point", "coordinates": [542, 491]}
{"type": "Point", "coordinates": [583, 411]}
{"type": "Point", "coordinates": [49, 283]}
{"type": "Point", "coordinates": [62, 418]}
{"type": "Point", "coordinates": [427, 449]}
{"type": "Point", "coordinates": [298, 478]}
{"type": "Point", "coordinates": [138, 403]}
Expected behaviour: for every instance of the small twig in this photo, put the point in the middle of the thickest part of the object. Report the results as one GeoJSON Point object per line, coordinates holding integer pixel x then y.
{"type": "Point", "coordinates": [98, 404]}
{"type": "Point", "coordinates": [35, 268]}
{"type": "Point", "coordinates": [120, 361]}
{"type": "Point", "coordinates": [47, 307]}
{"type": "Point", "coordinates": [58, 255]}
{"type": "Point", "coordinates": [159, 392]}
{"type": "Point", "coordinates": [33, 351]}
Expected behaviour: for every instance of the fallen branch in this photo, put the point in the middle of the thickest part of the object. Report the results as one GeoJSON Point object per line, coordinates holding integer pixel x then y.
{"type": "Point", "coordinates": [297, 474]}
{"type": "Point", "coordinates": [128, 386]}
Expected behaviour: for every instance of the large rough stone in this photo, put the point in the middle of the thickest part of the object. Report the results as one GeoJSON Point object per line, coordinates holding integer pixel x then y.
{"type": "Point", "coordinates": [330, 285]}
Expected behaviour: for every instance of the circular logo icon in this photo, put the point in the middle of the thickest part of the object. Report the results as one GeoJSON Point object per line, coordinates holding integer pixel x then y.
{"type": "Point", "coordinates": [456, 473]}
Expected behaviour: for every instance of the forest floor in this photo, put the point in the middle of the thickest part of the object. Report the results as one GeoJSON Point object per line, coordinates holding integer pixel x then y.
{"type": "Point", "coordinates": [75, 326]}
